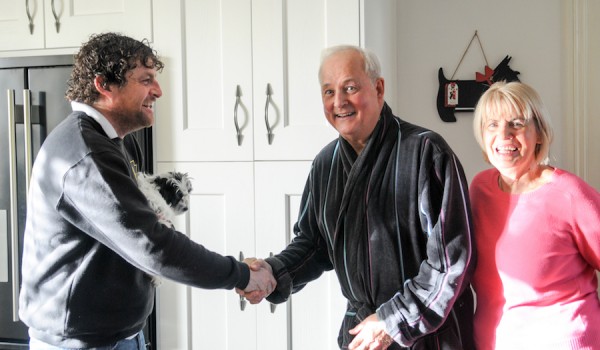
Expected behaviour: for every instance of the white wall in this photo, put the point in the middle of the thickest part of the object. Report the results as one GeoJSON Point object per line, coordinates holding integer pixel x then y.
{"type": "Point", "coordinates": [434, 33]}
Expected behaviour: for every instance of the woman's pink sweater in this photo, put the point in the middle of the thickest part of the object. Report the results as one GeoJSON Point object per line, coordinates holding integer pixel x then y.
{"type": "Point", "coordinates": [538, 253]}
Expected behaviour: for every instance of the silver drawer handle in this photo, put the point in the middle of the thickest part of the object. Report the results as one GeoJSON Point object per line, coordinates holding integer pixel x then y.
{"type": "Point", "coordinates": [242, 299]}
{"type": "Point", "coordinates": [269, 131]}
{"type": "Point", "coordinates": [56, 19]}
{"type": "Point", "coordinates": [238, 132]}
{"type": "Point", "coordinates": [29, 17]}
{"type": "Point", "coordinates": [271, 305]}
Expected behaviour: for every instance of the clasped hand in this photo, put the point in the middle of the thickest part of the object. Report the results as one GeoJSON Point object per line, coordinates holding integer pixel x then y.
{"type": "Point", "coordinates": [261, 284]}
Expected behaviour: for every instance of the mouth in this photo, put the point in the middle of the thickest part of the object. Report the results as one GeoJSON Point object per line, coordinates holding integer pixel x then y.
{"type": "Point", "coordinates": [148, 106]}
{"type": "Point", "coordinates": [345, 115]}
{"type": "Point", "coordinates": [506, 150]}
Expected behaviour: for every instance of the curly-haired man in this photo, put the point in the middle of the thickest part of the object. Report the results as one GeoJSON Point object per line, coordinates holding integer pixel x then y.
{"type": "Point", "coordinates": [91, 238]}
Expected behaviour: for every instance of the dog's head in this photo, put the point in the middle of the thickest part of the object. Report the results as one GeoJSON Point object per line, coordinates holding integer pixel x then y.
{"type": "Point", "coordinates": [175, 188]}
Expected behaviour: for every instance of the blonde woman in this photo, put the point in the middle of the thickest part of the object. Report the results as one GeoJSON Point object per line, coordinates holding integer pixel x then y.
{"type": "Point", "coordinates": [537, 230]}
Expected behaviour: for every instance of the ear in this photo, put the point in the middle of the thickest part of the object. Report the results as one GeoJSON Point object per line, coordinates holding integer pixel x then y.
{"type": "Point", "coordinates": [101, 86]}
{"type": "Point", "coordinates": [380, 87]}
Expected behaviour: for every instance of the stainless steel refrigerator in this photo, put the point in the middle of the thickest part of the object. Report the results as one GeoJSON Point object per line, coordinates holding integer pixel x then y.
{"type": "Point", "coordinates": [32, 103]}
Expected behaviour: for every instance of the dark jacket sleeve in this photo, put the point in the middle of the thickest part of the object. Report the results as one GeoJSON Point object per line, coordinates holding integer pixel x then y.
{"type": "Point", "coordinates": [444, 215]}
{"type": "Point", "coordinates": [306, 257]}
{"type": "Point", "coordinates": [101, 199]}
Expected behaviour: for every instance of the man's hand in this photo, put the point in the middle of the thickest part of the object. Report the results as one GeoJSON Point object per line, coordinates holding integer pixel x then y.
{"type": "Point", "coordinates": [261, 282]}
{"type": "Point", "coordinates": [370, 335]}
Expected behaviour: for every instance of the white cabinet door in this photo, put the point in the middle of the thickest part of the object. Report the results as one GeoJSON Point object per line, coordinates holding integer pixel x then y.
{"type": "Point", "coordinates": [288, 37]}
{"type": "Point", "coordinates": [70, 22]}
{"type": "Point", "coordinates": [17, 32]}
{"type": "Point", "coordinates": [220, 218]}
{"type": "Point", "coordinates": [257, 46]}
{"type": "Point", "coordinates": [45, 24]}
{"type": "Point", "coordinates": [217, 63]}
{"type": "Point", "coordinates": [311, 318]}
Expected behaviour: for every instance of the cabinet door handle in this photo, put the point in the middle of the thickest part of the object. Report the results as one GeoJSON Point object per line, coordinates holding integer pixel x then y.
{"type": "Point", "coordinates": [269, 131]}
{"type": "Point", "coordinates": [27, 133]}
{"type": "Point", "coordinates": [271, 305]}
{"type": "Point", "coordinates": [238, 94]}
{"type": "Point", "coordinates": [56, 20]}
{"type": "Point", "coordinates": [14, 234]}
{"type": "Point", "coordinates": [29, 17]}
{"type": "Point", "coordinates": [242, 299]}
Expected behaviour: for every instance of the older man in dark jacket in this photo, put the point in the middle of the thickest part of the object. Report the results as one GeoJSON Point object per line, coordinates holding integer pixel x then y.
{"type": "Point", "coordinates": [386, 206]}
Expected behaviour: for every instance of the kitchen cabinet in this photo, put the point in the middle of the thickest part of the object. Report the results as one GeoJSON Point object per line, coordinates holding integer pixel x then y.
{"type": "Point", "coordinates": [311, 318]}
{"type": "Point", "coordinates": [229, 203]}
{"type": "Point", "coordinates": [221, 218]}
{"type": "Point", "coordinates": [45, 24]}
{"type": "Point", "coordinates": [231, 67]}
{"type": "Point", "coordinates": [250, 87]}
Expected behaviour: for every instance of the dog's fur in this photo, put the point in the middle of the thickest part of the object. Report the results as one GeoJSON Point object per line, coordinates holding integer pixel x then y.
{"type": "Point", "coordinates": [168, 194]}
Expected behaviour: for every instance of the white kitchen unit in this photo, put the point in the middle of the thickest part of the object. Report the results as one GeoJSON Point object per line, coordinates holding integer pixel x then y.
{"type": "Point", "coordinates": [246, 209]}
{"type": "Point", "coordinates": [221, 218]}
{"type": "Point", "coordinates": [233, 53]}
{"type": "Point", "coordinates": [50, 24]}
{"type": "Point", "coordinates": [232, 68]}
{"type": "Point", "coordinates": [311, 318]}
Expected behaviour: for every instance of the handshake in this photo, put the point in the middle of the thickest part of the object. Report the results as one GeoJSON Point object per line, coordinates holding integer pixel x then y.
{"type": "Point", "coordinates": [261, 284]}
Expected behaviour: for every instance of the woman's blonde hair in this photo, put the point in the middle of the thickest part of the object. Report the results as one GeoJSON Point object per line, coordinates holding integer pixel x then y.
{"type": "Point", "coordinates": [504, 98]}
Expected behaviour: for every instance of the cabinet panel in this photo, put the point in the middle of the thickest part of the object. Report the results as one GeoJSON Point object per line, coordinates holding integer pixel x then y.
{"type": "Point", "coordinates": [286, 56]}
{"type": "Point", "coordinates": [15, 30]}
{"type": "Point", "coordinates": [220, 218]}
{"type": "Point", "coordinates": [70, 22]}
{"type": "Point", "coordinates": [258, 46]}
{"type": "Point", "coordinates": [217, 60]}
{"type": "Point", "coordinates": [311, 318]}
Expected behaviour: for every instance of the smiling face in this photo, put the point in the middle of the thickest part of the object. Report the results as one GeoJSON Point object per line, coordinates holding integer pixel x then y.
{"type": "Point", "coordinates": [352, 102]}
{"type": "Point", "coordinates": [136, 99]}
{"type": "Point", "coordinates": [130, 107]}
{"type": "Point", "coordinates": [510, 142]}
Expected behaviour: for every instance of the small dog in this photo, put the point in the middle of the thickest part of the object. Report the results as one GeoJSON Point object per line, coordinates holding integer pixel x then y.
{"type": "Point", "coordinates": [168, 194]}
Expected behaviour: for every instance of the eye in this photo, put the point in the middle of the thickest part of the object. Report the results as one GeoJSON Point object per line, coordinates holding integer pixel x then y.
{"type": "Point", "coordinates": [350, 88]}
{"type": "Point", "coordinates": [327, 92]}
{"type": "Point", "coordinates": [491, 124]}
{"type": "Point", "coordinates": [517, 123]}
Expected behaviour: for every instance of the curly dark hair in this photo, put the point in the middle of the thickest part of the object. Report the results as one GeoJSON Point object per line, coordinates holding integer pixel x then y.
{"type": "Point", "coordinates": [111, 56]}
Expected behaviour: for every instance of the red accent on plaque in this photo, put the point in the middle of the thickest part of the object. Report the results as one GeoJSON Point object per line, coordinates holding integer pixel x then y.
{"type": "Point", "coordinates": [480, 78]}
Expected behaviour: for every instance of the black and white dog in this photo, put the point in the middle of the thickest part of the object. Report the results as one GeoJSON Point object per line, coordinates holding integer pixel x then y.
{"type": "Point", "coordinates": [168, 195]}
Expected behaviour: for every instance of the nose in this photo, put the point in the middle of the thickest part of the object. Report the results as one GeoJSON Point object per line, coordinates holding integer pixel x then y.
{"type": "Point", "coordinates": [339, 100]}
{"type": "Point", "coordinates": [156, 90]}
{"type": "Point", "coordinates": [505, 130]}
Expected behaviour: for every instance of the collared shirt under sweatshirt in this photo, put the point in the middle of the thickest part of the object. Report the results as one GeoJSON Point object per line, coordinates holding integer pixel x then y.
{"type": "Point", "coordinates": [91, 239]}
{"type": "Point", "coordinates": [395, 224]}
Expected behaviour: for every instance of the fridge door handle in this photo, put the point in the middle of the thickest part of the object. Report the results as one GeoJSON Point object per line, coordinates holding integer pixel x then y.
{"type": "Point", "coordinates": [14, 235]}
{"type": "Point", "coordinates": [28, 143]}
